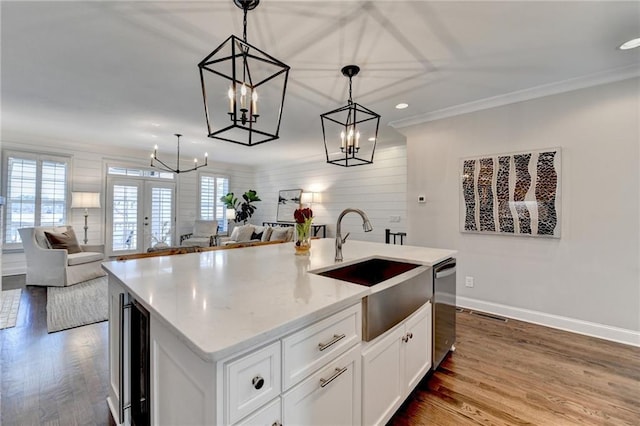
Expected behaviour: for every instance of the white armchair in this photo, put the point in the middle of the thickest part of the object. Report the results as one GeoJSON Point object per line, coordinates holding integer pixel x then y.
{"type": "Point", "coordinates": [56, 267]}
{"type": "Point", "coordinates": [205, 233]}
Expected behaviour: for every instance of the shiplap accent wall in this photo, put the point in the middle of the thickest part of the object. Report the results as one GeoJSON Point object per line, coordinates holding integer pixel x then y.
{"type": "Point", "coordinates": [88, 173]}
{"type": "Point", "coordinates": [380, 189]}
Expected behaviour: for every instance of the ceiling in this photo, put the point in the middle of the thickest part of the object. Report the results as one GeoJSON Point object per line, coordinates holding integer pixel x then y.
{"type": "Point", "coordinates": [124, 74]}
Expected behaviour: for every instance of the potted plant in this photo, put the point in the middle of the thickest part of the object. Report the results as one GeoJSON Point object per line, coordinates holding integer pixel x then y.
{"type": "Point", "coordinates": [244, 209]}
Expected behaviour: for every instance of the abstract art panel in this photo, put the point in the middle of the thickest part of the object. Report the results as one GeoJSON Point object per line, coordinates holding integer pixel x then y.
{"type": "Point", "coordinates": [511, 194]}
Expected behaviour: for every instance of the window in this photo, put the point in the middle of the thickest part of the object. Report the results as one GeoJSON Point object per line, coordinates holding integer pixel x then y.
{"type": "Point", "coordinates": [138, 172]}
{"type": "Point", "coordinates": [211, 188]}
{"type": "Point", "coordinates": [36, 192]}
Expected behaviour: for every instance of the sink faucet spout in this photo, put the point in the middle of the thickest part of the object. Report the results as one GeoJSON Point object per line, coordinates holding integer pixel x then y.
{"type": "Point", "coordinates": [366, 225]}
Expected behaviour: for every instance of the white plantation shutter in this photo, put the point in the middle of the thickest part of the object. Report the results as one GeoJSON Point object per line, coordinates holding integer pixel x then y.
{"type": "Point", "coordinates": [211, 188]}
{"type": "Point", "coordinates": [37, 192]}
{"type": "Point", "coordinates": [125, 217]}
{"type": "Point", "coordinates": [161, 215]}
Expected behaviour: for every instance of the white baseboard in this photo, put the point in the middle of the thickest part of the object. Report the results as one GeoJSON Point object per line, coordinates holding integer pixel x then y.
{"type": "Point", "coordinates": [615, 334]}
{"type": "Point", "coordinates": [13, 271]}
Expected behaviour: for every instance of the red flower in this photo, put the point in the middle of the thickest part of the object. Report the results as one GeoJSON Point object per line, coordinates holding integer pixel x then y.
{"type": "Point", "coordinates": [301, 215]}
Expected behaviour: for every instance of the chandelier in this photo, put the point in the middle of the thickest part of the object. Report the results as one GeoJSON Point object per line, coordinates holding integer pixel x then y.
{"type": "Point", "coordinates": [163, 166]}
{"type": "Point", "coordinates": [352, 127]}
{"type": "Point", "coordinates": [241, 71]}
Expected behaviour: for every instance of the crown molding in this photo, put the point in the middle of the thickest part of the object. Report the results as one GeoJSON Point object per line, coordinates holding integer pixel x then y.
{"type": "Point", "coordinates": [610, 76]}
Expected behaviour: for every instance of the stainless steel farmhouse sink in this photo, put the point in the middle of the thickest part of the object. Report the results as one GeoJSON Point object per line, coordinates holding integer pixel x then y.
{"type": "Point", "coordinates": [369, 272]}
{"type": "Point", "coordinates": [398, 288]}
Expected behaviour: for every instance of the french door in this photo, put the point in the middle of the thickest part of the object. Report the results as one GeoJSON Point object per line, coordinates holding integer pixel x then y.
{"type": "Point", "coordinates": [141, 214]}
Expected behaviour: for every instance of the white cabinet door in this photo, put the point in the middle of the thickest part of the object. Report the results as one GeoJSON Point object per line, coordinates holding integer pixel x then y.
{"type": "Point", "coordinates": [383, 378]}
{"type": "Point", "coordinates": [330, 396]}
{"type": "Point", "coordinates": [118, 346]}
{"type": "Point", "coordinates": [417, 347]}
{"type": "Point", "coordinates": [393, 365]}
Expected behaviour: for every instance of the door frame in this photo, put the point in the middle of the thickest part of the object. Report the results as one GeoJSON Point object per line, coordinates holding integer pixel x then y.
{"type": "Point", "coordinates": [144, 187]}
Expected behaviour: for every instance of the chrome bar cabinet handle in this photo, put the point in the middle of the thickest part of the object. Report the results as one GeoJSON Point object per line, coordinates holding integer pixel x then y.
{"type": "Point", "coordinates": [336, 338]}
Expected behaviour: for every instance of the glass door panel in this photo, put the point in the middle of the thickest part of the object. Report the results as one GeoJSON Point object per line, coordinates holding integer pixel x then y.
{"type": "Point", "coordinates": [124, 220]}
{"type": "Point", "coordinates": [141, 215]}
{"type": "Point", "coordinates": [159, 214]}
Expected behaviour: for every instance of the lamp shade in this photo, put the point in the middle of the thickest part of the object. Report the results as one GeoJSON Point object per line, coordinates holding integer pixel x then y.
{"type": "Point", "coordinates": [307, 198]}
{"type": "Point", "coordinates": [231, 214]}
{"type": "Point", "coordinates": [85, 200]}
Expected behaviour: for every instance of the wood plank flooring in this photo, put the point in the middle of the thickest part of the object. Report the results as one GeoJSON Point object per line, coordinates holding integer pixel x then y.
{"type": "Point", "coordinates": [509, 373]}
{"type": "Point", "coordinates": [51, 379]}
{"type": "Point", "coordinates": [517, 373]}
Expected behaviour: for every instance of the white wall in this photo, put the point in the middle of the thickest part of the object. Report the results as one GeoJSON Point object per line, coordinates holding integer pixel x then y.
{"type": "Point", "coordinates": [88, 174]}
{"type": "Point", "coordinates": [379, 189]}
{"type": "Point", "coordinates": [589, 275]}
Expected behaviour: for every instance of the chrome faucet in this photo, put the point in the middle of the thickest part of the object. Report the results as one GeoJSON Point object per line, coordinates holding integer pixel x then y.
{"type": "Point", "coordinates": [366, 225]}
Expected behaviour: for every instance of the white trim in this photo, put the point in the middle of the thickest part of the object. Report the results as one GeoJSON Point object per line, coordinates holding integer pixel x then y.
{"type": "Point", "coordinates": [615, 334]}
{"type": "Point", "coordinates": [583, 82]}
{"type": "Point", "coordinates": [16, 270]}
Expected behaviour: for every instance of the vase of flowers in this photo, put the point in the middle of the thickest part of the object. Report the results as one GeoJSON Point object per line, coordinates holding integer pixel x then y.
{"type": "Point", "coordinates": [303, 218]}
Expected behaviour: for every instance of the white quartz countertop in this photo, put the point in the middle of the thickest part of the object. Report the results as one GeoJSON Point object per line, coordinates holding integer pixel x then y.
{"type": "Point", "coordinates": [225, 301]}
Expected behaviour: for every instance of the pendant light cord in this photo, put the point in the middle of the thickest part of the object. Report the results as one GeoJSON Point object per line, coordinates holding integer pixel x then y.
{"type": "Point", "coordinates": [244, 23]}
{"type": "Point", "coordinates": [350, 98]}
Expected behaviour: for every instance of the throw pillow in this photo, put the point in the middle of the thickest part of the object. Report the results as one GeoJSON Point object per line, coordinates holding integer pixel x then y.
{"type": "Point", "coordinates": [234, 234]}
{"type": "Point", "coordinates": [266, 234]}
{"type": "Point", "coordinates": [244, 233]}
{"type": "Point", "coordinates": [65, 240]}
{"type": "Point", "coordinates": [255, 236]}
{"type": "Point", "coordinates": [279, 234]}
{"type": "Point", "coordinates": [41, 239]}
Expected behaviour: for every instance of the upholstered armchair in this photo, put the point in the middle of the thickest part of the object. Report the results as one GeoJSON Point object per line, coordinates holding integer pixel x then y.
{"type": "Point", "coordinates": [205, 233]}
{"type": "Point", "coordinates": [59, 267]}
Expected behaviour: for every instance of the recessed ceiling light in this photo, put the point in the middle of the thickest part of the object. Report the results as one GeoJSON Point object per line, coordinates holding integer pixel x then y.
{"type": "Point", "coordinates": [372, 139]}
{"type": "Point", "coordinates": [402, 106]}
{"type": "Point", "coordinates": [631, 44]}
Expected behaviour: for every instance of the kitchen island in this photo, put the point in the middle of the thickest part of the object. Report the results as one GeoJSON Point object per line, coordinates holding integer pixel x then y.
{"type": "Point", "coordinates": [216, 317]}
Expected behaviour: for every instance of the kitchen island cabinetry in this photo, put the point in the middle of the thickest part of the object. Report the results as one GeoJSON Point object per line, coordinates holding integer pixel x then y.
{"type": "Point", "coordinates": [118, 345]}
{"type": "Point", "coordinates": [249, 336]}
{"type": "Point", "coordinates": [246, 387]}
{"type": "Point", "coordinates": [393, 364]}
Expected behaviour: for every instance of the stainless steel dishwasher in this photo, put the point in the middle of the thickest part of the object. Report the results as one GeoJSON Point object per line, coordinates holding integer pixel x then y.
{"type": "Point", "coordinates": [444, 310]}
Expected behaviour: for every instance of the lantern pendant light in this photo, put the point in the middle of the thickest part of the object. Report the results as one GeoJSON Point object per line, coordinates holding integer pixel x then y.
{"type": "Point", "coordinates": [241, 71]}
{"type": "Point", "coordinates": [353, 128]}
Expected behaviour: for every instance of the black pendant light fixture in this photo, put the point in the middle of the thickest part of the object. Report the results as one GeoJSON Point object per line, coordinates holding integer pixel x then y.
{"type": "Point", "coordinates": [350, 132]}
{"type": "Point", "coordinates": [246, 83]}
{"type": "Point", "coordinates": [163, 166]}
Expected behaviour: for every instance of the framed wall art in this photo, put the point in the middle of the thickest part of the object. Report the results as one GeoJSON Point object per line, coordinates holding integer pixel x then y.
{"type": "Point", "coordinates": [511, 194]}
{"type": "Point", "coordinates": [288, 202]}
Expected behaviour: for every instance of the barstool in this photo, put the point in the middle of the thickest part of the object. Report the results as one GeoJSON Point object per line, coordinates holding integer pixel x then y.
{"type": "Point", "coordinates": [388, 234]}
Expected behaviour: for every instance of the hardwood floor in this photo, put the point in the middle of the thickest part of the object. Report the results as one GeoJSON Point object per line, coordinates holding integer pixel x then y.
{"type": "Point", "coordinates": [501, 374]}
{"type": "Point", "coordinates": [517, 373]}
{"type": "Point", "coordinates": [51, 379]}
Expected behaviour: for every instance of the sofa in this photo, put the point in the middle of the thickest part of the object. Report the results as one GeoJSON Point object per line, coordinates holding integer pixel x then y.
{"type": "Point", "coordinates": [255, 234]}
{"type": "Point", "coordinates": [59, 267]}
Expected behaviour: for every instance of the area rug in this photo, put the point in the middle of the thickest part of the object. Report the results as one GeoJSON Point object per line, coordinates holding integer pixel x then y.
{"type": "Point", "coordinates": [77, 305]}
{"type": "Point", "coordinates": [9, 304]}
